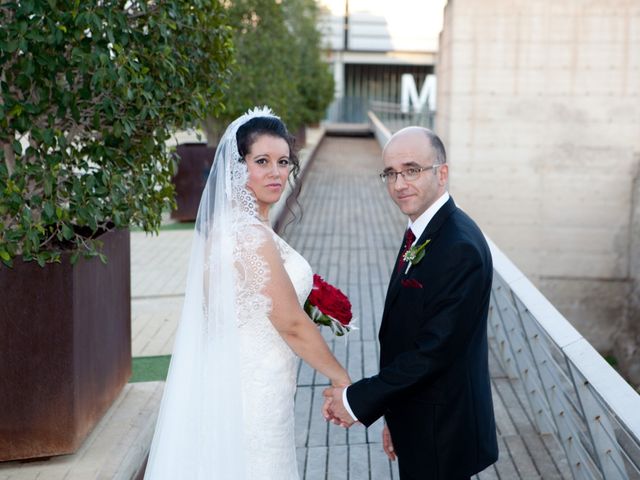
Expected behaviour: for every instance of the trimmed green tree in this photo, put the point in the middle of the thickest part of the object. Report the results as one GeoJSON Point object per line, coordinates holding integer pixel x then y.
{"type": "Point", "coordinates": [89, 93]}
{"type": "Point", "coordinates": [278, 62]}
{"type": "Point", "coordinates": [313, 76]}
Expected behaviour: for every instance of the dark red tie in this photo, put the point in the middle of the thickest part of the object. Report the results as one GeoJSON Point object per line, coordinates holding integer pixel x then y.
{"type": "Point", "coordinates": [409, 238]}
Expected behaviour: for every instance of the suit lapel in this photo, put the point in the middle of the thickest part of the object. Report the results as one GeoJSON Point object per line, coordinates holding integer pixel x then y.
{"type": "Point", "coordinates": [429, 233]}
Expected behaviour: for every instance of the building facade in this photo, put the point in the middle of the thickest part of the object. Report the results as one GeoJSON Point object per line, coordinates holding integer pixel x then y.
{"type": "Point", "coordinates": [539, 106]}
{"type": "Point", "coordinates": [371, 45]}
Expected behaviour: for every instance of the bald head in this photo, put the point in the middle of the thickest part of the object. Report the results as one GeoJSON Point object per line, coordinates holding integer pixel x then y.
{"type": "Point", "coordinates": [417, 139]}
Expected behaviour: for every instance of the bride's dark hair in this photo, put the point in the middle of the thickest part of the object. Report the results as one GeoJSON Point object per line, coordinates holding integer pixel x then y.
{"type": "Point", "coordinates": [250, 131]}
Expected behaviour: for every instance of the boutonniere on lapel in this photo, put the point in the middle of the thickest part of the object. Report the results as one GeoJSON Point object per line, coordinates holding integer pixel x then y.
{"type": "Point", "coordinates": [414, 255]}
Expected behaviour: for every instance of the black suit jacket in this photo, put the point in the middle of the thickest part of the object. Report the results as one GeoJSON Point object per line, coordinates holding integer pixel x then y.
{"type": "Point", "coordinates": [434, 385]}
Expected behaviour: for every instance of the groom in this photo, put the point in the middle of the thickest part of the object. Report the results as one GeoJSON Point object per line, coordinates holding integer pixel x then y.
{"type": "Point", "coordinates": [433, 388]}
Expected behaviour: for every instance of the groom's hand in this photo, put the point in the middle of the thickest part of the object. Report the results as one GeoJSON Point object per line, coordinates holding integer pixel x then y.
{"type": "Point", "coordinates": [387, 443]}
{"type": "Point", "coordinates": [333, 408]}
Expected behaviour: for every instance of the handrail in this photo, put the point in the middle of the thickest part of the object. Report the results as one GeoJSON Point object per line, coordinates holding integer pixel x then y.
{"type": "Point", "coordinates": [571, 391]}
{"type": "Point", "coordinates": [394, 119]}
{"type": "Point", "coordinates": [380, 131]}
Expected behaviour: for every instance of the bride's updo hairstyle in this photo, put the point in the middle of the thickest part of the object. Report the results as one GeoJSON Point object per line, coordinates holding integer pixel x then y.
{"type": "Point", "coordinates": [272, 126]}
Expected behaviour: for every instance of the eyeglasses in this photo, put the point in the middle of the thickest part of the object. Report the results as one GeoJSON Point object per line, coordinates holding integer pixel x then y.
{"type": "Point", "coordinates": [409, 175]}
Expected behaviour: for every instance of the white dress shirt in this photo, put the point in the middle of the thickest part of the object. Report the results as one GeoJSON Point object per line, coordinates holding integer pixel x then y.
{"type": "Point", "coordinates": [418, 227]}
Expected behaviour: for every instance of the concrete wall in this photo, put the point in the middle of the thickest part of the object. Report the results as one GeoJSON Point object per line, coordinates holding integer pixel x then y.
{"type": "Point", "coordinates": [539, 107]}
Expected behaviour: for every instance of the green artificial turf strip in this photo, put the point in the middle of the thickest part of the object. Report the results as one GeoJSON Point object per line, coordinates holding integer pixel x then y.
{"type": "Point", "coordinates": [150, 369]}
{"type": "Point", "coordinates": [178, 226]}
{"type": "Point", "coordinates": [170, 226]}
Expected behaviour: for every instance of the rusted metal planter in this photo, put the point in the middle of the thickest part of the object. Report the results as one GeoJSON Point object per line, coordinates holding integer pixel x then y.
{"type": "Point", "coordinates": [190, 179]}
{"type": "Point", "coordinates": [301, 137]}
{"type": "Point", "coordinates": [65, 349]}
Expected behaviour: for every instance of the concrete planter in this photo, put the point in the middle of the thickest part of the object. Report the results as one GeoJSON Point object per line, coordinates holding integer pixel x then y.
{"type": "Point", "coordinates": [65, 349]}
{"type": "Point", "coordinates": [193, 170]}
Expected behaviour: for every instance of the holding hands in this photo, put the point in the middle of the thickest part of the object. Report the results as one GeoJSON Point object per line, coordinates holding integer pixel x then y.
{"type": "Point", "coordinates": [333, 408]}
{"type": "Point", "coordinates": [335, 412]}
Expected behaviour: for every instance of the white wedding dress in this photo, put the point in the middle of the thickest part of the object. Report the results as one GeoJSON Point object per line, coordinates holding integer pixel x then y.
{"type": "Point", "coordinates": [268, 365]}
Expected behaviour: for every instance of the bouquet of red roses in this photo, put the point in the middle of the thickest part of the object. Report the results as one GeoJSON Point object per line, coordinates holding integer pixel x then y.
{"type": "Point", "coordinates": [328, 306]}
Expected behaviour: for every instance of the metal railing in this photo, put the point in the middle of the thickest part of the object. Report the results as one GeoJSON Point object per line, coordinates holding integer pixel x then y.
{"type": "Point", "coordinates": [355, 110]}
{"type": "Point", "coordinates": [348, 109]}
{"type": "Point", "coordinates": [394, 119]}
{"type": "Point", "coordinates": [570, 391]}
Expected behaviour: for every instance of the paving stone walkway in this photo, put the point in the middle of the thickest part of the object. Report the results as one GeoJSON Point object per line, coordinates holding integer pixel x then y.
{"type": "Point", "coordinates": [349, 234]}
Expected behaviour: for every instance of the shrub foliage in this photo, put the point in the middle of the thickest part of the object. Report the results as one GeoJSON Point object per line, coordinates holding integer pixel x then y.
{"type": "Point", "coordinates": [278, 62]}
{"type": "Point", "coordinates": [90, 90]}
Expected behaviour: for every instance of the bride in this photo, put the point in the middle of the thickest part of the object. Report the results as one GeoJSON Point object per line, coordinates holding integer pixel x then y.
{"type": "Point", "coordinates": [227, 408]}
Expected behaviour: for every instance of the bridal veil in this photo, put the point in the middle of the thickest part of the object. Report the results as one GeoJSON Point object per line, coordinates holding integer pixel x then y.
{"type": "Point", "coordinates": [199, 427]}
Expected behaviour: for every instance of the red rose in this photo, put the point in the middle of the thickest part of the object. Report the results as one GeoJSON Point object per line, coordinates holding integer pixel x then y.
{"type": "Point", "coordinates": [330, 300]}
{"type": "Point", "coordinates": [327, 305]}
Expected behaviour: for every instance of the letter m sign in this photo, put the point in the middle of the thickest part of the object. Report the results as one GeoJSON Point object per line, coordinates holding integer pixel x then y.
{"type": "Point", "coordinates": [409, 93]}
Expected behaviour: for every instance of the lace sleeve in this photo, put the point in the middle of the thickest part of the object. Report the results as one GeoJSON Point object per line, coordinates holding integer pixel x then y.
{"type": "Point", "coordinates": [252, 273]}
{"type": "Point", "coordinates": [264, 287]}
